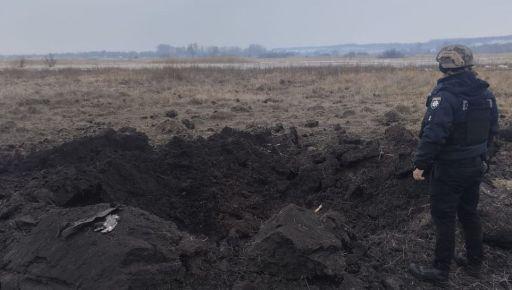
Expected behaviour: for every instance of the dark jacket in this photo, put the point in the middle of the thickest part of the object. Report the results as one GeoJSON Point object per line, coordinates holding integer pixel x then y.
{"type": "Point", "coordinates": [451, 130]}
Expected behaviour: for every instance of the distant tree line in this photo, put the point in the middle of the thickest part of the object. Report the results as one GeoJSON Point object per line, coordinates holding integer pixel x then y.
{"type": "Point", "coordinates": [163, 51]}
{"type": "Point", "coordinates": [354, 54]}
{"type": "Point", "coordinates": [391, 53]}
{"type": "Point", "coordinates": [196, 50]}
{"type": "Point", "coordinates": [494, 48]}
{"type": "Point", "coordinates": [383, 50]}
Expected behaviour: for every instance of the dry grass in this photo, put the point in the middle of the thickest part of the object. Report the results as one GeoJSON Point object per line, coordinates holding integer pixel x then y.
{"type": "Point", "coordinates": [45, 107]}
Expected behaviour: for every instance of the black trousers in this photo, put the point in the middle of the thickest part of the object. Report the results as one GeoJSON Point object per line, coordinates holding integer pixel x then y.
{"type": "Point", "coordinates": [455, 190]}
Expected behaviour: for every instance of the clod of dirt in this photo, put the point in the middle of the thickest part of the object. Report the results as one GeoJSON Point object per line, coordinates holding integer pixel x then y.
{"type": "Point", "coordinates": [339, 129]}
{"type": "Point", "coordinates": [347, 113]}
{"type": "Point", "coordinates": [403, 140]}
{"type": "Point", "coordinates": [392, 284]}
{"type": "Point", "coordinates": [367, 109]}
{"type": "Point", "coordinates": [320, 93]}
{"type": "Point", "coordinates": [284, 82]}
{"type": "Point", "coordinates": [400, 135]}
{"type": "Point", "coordinates": [188, 124]}
{"type": "Point", "coordinates": [170, 127]}
{"type": "Point", "coordinates": [403, 109]}
{"type": "Point", "coordinates": [317, 108]}
{"type": "Point", "coordinates": [391, 117]}
{"type": "Point", "coordinates": [505, 134]}
{"type": "Point", "coordinates": [7, 126]}
{"type": "Point", "coordinates": [311, 124]}
{"type": "Point", "coordinates": [222, 115]}
{"type": "Point", "coordinates": [500, 239]}
{"type": "Point", "coordinates": [277, 128]}
{"type": "Point", "coordinates": [318, 158]}
{"type": "Point", "coordinates": [264, 88]}
{"type": "Point", "coordinates": [24, 223]}
{"type": "Point", "coordinates": [271, 100]}
{"type": "Point", "coordinates": [293, 136]}
{"type": "Point", "coordinates": [351, 283]}
{"type": "Point", "coordinates": [294, 243]}
{"type": "Point", "coordinates": [241, 109]}
{"type": "Point", "coordinates": [171, 114]}
{"type": "Point", "coordinates": [351, 156]}
{"type": "Point", "coordinates": [348, 139]}
{"type": "Point", "coordinates": [197, 101]}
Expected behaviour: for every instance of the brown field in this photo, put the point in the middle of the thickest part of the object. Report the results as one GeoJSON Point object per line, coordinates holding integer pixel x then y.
{"type": "Point", "coordinates": [42, 109]}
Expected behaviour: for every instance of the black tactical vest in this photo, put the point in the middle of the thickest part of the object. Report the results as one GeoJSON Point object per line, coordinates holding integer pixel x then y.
{"type": "Point", "coordinates": [473, 128]}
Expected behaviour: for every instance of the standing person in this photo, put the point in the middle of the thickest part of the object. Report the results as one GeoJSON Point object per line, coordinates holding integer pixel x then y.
{"type": "Point", "coordinates": [458, 127]}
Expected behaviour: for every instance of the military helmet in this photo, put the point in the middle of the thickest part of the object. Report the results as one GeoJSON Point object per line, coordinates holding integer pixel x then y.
{"type": "Point", "coordinates": [455, 57]}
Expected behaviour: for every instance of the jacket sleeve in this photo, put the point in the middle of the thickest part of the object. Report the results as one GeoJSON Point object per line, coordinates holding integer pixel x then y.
{"type": "Point", "coordinates": [425, 117]}
{"type": "Point", "coordinates": [494, 122]}
{"type": "Point", "coordinates": [438, 123]}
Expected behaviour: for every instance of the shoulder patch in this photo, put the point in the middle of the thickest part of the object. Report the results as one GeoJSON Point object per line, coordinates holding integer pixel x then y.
{"type": "Point", "coordinates": [435, 102]}
{"type": "Point", "coordinates": [465, 105]}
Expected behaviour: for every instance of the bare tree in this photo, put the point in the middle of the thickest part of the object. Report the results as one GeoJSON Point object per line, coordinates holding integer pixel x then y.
{"type": "Point", "coordinates": [255, 50]}
{"type": "Point", "coordinates": [50, 60]}
{"type": "Point", "coordinates": [163, 50]}
{"type": "Point", "coordinates": [392, 53]}
{"type": "Point", "coordinates": [193, 49]}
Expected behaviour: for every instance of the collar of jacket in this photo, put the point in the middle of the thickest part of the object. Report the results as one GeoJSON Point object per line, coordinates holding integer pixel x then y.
{"type": "Point", "coordinates": [464, 75]}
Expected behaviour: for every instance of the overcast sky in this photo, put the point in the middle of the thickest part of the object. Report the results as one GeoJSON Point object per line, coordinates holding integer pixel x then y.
{"type": "Point", "coordinates": [42, 26]}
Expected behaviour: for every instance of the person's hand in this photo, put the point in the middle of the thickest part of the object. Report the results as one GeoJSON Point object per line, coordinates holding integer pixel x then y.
{"type": "Point", "coordinates": [418, 174]}
{"type": "Point", "coordinates": [485, 167]}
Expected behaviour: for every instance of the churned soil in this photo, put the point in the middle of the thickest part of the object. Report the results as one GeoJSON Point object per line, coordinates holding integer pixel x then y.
{"type": "Point", "coordinates": [240, 209]}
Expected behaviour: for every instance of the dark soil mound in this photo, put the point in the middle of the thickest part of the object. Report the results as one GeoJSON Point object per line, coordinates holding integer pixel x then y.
{"type": "Point", "coordinates": [197, 184]}
{"type": "Point", "coordinates": [191, 212]}
{"type": "Point", "coordinates": [296, 244]}
{"type": "Point", "coordinates": [142, 252]}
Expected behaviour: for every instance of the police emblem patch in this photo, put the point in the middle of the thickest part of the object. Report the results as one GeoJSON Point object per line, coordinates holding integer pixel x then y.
{"type": "Point", "coordinates": [435, 102]}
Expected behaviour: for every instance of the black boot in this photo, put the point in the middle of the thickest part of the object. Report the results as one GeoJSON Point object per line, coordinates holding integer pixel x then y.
{"type": "Point", "coordinates": [429, 274]}
{"type": "Point", "coordinates": [472, 269]}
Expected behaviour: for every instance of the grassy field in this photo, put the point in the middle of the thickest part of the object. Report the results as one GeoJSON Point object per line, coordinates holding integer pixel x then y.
{"type": "Point", "coordinates": [46, 107]}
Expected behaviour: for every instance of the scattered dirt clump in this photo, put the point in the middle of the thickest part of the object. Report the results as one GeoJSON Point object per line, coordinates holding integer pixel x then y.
{"type": "Point", "coordinates": [295, 244]}
{"type": "Point", "coordinates": [403, 109]}
{"type": "Point", "coordinates": [311, 124]}
{"type": "Point", "coordinates": [348, 113]}
{"type": "Point", "coordinates": [391, 117]}
{"type": "Point", "coordinates": [222, 115]}
{"type": "Point", "coordinates": [188, 124]}
{"type": "Point", "coordinates": [506, 134]}
{"type": "Point", "coordinates": [171, 114]}
{"type": "Point", "coordinates": [170, 126]}
{"type": "Point", "coordinates": [241, 109]}
{"type": "Point", "coordinates": [272, 100]}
